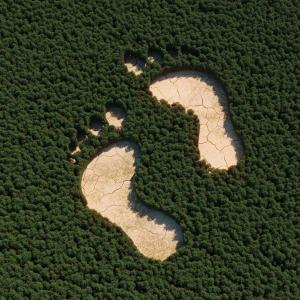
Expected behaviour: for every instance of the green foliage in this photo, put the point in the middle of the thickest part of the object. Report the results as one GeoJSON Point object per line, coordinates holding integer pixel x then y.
{"type": "Point", "coordinates": [61, 62]}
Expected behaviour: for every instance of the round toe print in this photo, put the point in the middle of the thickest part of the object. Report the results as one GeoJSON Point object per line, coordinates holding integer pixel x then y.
{"type": "Point", "coordinates": [115, 116]}
{"type": "Point", "coordinates": [95, 127]}
{"type": "Point", "coordinates": [134, 64]}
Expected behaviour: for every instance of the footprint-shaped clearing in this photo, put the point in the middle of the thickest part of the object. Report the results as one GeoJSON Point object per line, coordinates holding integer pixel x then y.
{"type": "Point", "coordinates": [107, 185]}
{"type": "Point", "coordinates": [218, 143]}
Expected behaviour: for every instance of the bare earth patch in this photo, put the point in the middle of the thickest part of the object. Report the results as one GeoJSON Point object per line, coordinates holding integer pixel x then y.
{"type": "Point", "coordinates": [218, 143]}
{"type": "Point", "coordinates": [95, 128]}
{"type": "Point", "coordinates": [134, 64]}
{"type": "Point", "coordinates": [115, 116]}
{"type": "Point", "coordinates": [154, 56]}
{"type": "Point", "coordinates": [76, 150]}
{"type": "Point", "coordinates": [108, 188]}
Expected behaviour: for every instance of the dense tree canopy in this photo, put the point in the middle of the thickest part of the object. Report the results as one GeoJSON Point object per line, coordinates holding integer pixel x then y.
{"type": "Point", "coordinates": [62, 62]}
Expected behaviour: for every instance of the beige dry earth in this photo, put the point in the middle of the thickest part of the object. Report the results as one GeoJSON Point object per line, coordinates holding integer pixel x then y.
{"type": "Point", "coordinates": [154, 57]}
{"type": "Point", "coordinates": [115, 116]}
{"type": "Point", "coordinates": [95, 128]}
{"type": "Point", "coordinates": [76, 150]}
{"type": "Point", "coordinates": [72, 160]}
{"type": "Point", "coordinates": [218, 143]}
{"type": "Point", "coordinates": [134, 65]}
{"type": "Point", "coordinates": [107, 185]}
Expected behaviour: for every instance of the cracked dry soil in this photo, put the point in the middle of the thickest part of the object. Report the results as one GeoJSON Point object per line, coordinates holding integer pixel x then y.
{"type": "Point", "coordinates": [218, 143]}
{"type": "Point", "coordinates": [107, 185]}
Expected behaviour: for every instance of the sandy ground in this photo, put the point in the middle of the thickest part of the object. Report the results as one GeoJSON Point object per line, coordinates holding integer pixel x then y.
{"type": "Point", "coordinates": [134, 64]}
{"type": "Point", "coordinates": [107, 186]}
{"type": "Point", "coordinates": [218, 143]}
{"type": "Point", "coordinates": [76, 150]}
{"type": "Point", "coordinates": [95, 128]}
{"type": "Point", "coordinates": [154, 56]}
{"type": "Point", "coordinates": [115, 116]}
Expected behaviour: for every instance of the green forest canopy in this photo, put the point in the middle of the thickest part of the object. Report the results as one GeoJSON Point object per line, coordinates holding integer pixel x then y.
{"type": "Point", "coordinates": [62, 62]}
